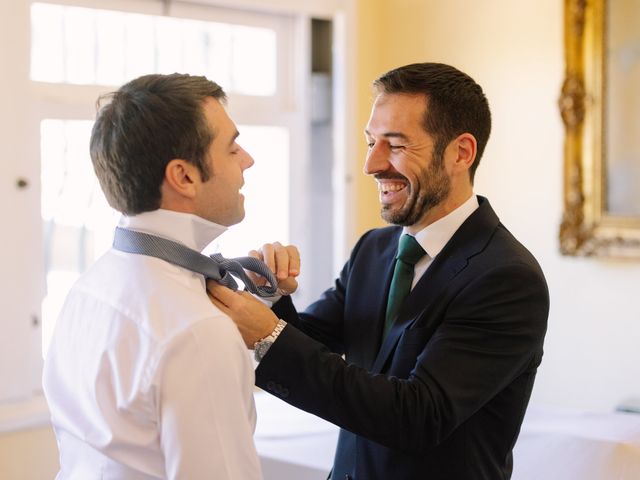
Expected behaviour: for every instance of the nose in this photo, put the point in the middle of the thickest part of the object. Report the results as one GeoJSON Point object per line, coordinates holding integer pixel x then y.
{"type": "Point", "coordinates": [247, 160]}
{"type": "Point", "coordinates": [377, 160]}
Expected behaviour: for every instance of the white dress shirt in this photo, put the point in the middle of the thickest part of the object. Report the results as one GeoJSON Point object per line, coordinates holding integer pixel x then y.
{"type": "Point", "coordinates": [434, 237]}
{"type": "Point", "coordinates": [145, 377]}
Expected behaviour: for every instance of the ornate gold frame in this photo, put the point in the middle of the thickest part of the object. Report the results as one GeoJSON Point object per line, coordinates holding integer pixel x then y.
{"type": "Point", "coordinates": [587, 228]}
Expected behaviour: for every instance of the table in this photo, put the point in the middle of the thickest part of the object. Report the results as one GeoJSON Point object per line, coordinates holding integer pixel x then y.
{"type": "Point", "coordinates": [554, 444]}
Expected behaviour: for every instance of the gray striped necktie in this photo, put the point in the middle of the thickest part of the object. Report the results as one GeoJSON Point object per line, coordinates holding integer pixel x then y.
{"type": "Point", "coordinates": [215, 267]}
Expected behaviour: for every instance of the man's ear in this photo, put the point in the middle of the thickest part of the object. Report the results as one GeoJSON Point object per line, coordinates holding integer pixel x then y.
{"type": "Point", "coordinates": [181, 178]}
{"type": "Point", "coordinates": [464, 154]}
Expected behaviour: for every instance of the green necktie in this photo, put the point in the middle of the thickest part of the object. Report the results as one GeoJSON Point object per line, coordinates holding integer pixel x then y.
{"type": "Point", "coordinates": [409, 252]}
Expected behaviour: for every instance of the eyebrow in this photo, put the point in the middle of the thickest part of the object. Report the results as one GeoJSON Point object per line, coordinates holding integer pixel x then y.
{"type": "Point", "coordinates": [399, 135]}
{"type": "Point", "coordinates": [233, 138]}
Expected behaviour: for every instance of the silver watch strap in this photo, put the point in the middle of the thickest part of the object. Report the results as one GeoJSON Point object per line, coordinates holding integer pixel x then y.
{"type": "Point", "coordinates": [262, 346]}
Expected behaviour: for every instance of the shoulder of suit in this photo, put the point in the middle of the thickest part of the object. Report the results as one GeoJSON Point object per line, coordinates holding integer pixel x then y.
{"type": "Point", "coordinates": [377, 240]}
{"type": "Point", "coordinates": [382, 233]}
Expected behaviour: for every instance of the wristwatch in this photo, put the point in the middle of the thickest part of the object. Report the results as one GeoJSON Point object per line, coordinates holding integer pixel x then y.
{"type": "Point", "coordinates": [262, 346]}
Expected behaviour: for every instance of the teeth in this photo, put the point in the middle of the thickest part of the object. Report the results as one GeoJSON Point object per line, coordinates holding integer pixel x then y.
{"type": "Point", "coordinates": [390, 187]}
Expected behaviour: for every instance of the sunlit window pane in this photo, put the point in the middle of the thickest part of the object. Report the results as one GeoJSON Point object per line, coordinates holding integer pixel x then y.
{"type": "Point", "coordinates": [219, 54]}
{"type": "Point", "coordinates": [254, 50]}
{"type": "Point", "coordinates": [87, 46]}
{"type": "Point", "coordinates": [196, 45]}
{"type": "Point", "coordinates": [140, 57]}
{"type": "Point", "coordinates": [169, 45]}
{"type": "Point", "coordinates": [266, 192]}
{"type": "Point", "coordinates": [110, 48]}
{"type": "Point", "coordinates": [47, 43]}
{"type": "Point", "coordinates": [79, 36]}
{"type": "Point", "coordinates": [77, 221]}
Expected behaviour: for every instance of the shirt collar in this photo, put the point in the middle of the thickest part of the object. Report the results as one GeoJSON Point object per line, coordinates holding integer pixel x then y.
{"type": "Point", "coordinates": [190, 230]}
{"type": "Point", "coordinates": [434, 237]}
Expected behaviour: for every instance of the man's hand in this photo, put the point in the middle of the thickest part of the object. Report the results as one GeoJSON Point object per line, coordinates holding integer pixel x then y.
{"type": "Point", "coordinates": [253, 318]}
{"type": "Point", "coordinates": [283, 261]}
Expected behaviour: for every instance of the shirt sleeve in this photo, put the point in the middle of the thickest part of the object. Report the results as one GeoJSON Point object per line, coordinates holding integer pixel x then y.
{"type": "Point", "coordinates": [205, 404]}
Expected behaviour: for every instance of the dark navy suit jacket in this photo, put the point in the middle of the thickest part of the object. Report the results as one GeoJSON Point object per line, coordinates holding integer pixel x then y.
{"type": "Point", "coordinates": [443, 397]}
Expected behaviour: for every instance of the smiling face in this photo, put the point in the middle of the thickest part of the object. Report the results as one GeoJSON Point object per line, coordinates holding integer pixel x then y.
{"type": "Point", "coordinates": [219, 199]}
{"type": "Point", "coordinates": [412, 178]}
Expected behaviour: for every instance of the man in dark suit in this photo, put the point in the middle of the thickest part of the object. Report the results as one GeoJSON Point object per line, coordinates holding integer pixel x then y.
{"type": "Point", "coordinates": [431, 384]}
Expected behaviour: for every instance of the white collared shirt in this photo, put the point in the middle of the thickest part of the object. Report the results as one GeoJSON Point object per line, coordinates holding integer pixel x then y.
{"type": "Point", "coordinates": [434, 237]}
{"type": "Point", "coordinates": [145, 377]}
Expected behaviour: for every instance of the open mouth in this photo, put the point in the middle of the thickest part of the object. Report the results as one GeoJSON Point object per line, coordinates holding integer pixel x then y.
{"type": "Point", "coordinates": [391, 190]}
{"type": "Point", "coordinates": [390, 187]}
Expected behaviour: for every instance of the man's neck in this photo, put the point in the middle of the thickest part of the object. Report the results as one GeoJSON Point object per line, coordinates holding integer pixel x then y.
{"type": "Point", "coordinates": [435, 236]}
{"type": "Point", "coordinates": [444, 208]}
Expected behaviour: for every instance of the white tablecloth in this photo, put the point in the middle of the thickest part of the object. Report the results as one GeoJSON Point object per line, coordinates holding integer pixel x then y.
{"type": "Point", "coordinates": [554, 444]}
{"type": "Point", "coordinates": [292, 444]}
{"type": "Point", "coordinates": [566, 444]}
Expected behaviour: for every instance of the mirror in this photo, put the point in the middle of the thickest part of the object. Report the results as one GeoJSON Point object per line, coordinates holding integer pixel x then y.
{"type": "Point", "coordinates": [600, 107]}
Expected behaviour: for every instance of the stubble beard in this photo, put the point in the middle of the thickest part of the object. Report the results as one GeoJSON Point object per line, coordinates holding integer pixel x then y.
{"type": "Point", "coordinates": [436, 186]}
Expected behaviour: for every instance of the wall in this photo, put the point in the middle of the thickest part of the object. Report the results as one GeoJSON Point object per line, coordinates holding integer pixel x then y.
{"type": "Point", "coordinates": [369, 65]}
{"type": "Point", "coordinates": [28, 454]}
{"type": "Point", "coordinates": [514, 50]}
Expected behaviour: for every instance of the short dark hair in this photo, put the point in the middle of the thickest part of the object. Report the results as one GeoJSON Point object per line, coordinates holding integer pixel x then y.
{"type": "Point", "coordinates": [455, 102]}
{"type": "Point", "coordinates": [145, 124]}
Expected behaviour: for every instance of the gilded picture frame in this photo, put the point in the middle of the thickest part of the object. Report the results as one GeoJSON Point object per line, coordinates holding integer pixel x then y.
{"type": "Point", "coordinates": [588, 228]}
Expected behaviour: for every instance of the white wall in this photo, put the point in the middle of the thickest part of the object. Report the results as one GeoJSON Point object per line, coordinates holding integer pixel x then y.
{"type": "Point", "coordinates": [514, 49]}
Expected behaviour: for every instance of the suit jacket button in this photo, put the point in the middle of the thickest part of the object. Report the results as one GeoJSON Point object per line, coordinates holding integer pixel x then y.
{"type": "Point", "coordinates": [284, 393]}
{"type": "Point", "coordinates": [271, 385]}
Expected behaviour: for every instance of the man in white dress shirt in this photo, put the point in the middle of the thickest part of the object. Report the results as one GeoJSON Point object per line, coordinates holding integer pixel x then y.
{"type": "Point", "coordinates": [145, 378]}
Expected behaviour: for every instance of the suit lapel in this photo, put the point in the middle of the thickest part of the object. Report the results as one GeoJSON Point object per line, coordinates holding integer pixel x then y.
{"type": "Point", "coordinates": [469, 239]}
{"type": "Point", "coordinates": [426, 290]}
{"type": "Point", "coordinates": [377, 293]}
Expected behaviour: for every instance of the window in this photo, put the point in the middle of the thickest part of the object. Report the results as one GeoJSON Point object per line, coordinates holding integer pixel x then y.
{"type": "Point", "coordinates": [74, 45]}
{"type": "Point", "coordinates": [87, 46]}
{"type": "Point", "coordinates": [77, 221]}
{"type": "Point", "coordinates": [80, 49]}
